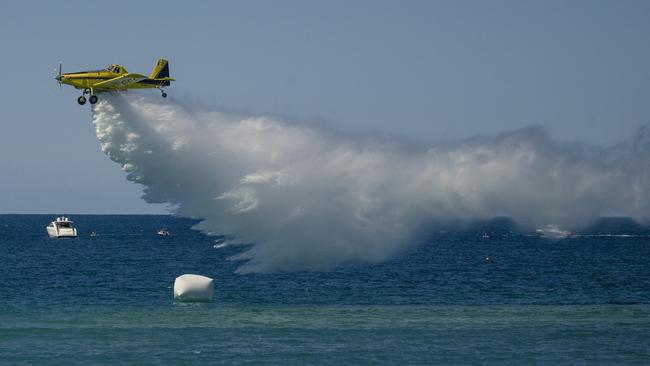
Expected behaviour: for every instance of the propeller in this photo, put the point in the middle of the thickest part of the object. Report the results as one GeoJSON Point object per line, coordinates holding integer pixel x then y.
{"type": "Point", "coordinates": [57, 77]}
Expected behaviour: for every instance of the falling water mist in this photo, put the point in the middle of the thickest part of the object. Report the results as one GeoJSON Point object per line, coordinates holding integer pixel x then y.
{"type": "Point", "coordinates": [307, 198]}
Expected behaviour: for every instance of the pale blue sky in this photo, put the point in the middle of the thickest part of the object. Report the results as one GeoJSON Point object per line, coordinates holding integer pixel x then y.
{"type": "Point", "coordinates": [423, 70]}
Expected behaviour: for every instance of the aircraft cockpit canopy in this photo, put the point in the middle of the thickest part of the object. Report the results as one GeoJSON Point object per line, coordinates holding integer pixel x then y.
{"type": "Point", "coordinates": [114, 68]}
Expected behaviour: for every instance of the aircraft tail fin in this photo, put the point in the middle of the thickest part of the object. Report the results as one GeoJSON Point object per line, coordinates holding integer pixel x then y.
{"type": "Point", "coordinates": [161, 70]}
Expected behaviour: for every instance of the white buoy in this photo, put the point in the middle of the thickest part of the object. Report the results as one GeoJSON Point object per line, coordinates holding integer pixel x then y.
{"type": "Point", "coordinates": [191, 287]}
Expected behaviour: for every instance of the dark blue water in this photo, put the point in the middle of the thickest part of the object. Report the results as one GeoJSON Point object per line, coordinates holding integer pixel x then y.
{"type": "Point", "coordinates": [460, 298]}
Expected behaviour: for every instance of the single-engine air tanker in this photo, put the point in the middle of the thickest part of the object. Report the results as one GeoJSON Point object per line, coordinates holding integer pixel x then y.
{"type": "Point", "coordinates": [115, 78]}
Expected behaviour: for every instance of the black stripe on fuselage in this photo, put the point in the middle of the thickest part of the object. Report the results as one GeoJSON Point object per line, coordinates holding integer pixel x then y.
{"type": "Point", "coordinates": [154, 82]}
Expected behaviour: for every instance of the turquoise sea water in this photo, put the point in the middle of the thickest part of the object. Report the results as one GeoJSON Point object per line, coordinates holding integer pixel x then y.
{"type": "Point", "coordinates": [107, 300]}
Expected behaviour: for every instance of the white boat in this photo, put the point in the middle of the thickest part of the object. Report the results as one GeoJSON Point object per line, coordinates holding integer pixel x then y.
{"type": "Point", "coordinates": [163, 232]}
{"type": "Point", "coordinates": [61, 228]}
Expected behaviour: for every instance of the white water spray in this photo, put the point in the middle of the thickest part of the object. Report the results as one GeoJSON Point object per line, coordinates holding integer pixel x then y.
{"type": "Point", "coordinates": [309, 199]}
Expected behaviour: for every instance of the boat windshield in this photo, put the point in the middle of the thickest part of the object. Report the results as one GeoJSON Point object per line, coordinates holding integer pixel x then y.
{"type": "Point", "coordinates": [64, 224]}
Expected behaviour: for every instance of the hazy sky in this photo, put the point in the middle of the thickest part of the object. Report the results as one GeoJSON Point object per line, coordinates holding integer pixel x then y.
{"type": "Point", "coordinates": [422, 70]}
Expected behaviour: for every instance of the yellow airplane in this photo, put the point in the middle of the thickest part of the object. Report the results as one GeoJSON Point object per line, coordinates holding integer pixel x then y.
{"type": "Point", "coordinates": [115, 78]}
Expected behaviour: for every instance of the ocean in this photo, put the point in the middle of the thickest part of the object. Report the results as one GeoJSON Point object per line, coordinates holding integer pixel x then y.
{"type": "Point", "coordinates": [458, 298]}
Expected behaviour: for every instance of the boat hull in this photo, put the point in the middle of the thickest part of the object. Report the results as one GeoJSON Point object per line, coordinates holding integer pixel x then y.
{"type": "Point", "coordinates": [62, 232]}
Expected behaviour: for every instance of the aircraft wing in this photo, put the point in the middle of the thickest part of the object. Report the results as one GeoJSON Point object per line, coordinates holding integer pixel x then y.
{"type": "Point", "coordinates": [120, 82]}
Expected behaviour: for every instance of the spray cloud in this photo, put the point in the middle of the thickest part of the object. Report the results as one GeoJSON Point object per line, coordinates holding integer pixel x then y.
{"type": "Point", "coordinates": [309, 199]}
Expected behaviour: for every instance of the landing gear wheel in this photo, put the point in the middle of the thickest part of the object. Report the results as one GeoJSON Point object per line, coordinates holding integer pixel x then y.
{"type": "Point", "coordinates": [81, 100]}
{"type": "Point", "coordinates": [92, 99]}
{"type": "Point", "coordinates": [164, 95]}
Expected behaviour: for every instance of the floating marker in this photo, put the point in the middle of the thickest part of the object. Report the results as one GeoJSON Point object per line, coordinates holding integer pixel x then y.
{"type": "Point", "coordinates": [193, 288]}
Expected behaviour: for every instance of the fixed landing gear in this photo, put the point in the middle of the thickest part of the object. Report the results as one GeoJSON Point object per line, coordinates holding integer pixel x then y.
{"type": "Point", "coordinates": [164, 95]}
{"type": "Point", "coordinates": [82, 99]}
